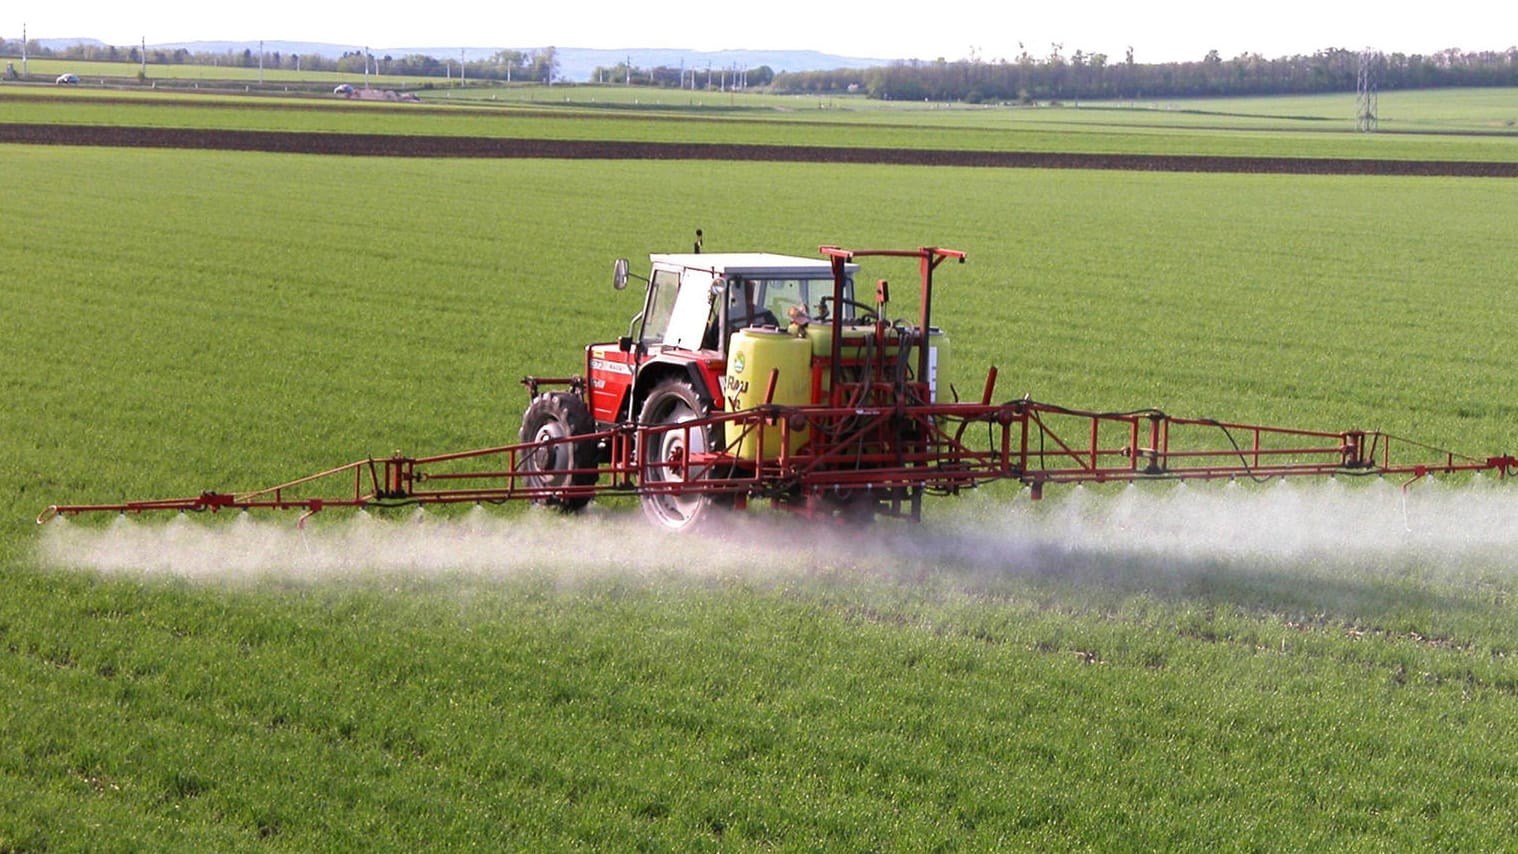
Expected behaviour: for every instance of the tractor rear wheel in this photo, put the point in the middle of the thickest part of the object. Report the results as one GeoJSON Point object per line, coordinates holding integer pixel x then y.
{"type": "Point", "coordinates": [663, 455]}
{"type": "Point", "coordinates": [552, 416]}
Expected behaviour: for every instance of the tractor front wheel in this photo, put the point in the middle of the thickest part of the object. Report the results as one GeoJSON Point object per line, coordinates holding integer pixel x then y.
{"type": "Point", "coordinates": [555, 464]}
{"type": "Point", "coordinates": [664, 455]}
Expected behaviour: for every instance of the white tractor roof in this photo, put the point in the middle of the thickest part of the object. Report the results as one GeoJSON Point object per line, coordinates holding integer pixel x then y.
{"type": "Point", "coordinates": [758, 264]}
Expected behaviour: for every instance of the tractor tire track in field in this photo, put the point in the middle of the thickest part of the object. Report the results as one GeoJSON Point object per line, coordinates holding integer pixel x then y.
{"type": "Point", "coordinates": [390, 145]}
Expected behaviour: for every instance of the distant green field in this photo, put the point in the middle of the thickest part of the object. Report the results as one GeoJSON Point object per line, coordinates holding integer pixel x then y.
{"type": "Point", "coordinates": [1471, 109]}
{"type": "Point", "coordinates": [1463, 125]}
{"type": "Point", "coordinates": [186, 320]}
{"type": "Point", "coordinates": [94, 73]}
{"type": "Point", "coordinates": [1448, 109]}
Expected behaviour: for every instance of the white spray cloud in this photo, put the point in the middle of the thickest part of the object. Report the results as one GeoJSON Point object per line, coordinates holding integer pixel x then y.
{"type": "Point", "coordinates": [1090, 533]}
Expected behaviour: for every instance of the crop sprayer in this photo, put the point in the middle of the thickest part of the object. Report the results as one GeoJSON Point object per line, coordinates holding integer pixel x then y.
{"type": "Point", "coordinates": [753, 376]}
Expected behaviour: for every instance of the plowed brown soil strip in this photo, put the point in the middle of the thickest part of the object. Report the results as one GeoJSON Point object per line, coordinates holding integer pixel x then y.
{"type": "Point", "coordinates": [385, 145]}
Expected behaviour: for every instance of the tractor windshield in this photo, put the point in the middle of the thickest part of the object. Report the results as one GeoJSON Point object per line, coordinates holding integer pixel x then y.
{"type": "Point", "coordinates": [662, 290]}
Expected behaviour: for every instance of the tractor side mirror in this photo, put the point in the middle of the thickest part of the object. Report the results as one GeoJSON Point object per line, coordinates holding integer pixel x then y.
{"type": "Point", "coordinates": [619, 274]}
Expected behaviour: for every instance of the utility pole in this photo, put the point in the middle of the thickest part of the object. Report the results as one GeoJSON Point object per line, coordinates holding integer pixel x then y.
{"type": "Point", "coordinates": [143, 50]}
{"type": "Point", "coordinates": [260, 62]}
{"type": "Point", "coordinates": [23, 48]}
{"type": "Point", "coordinates": [1366, 94]}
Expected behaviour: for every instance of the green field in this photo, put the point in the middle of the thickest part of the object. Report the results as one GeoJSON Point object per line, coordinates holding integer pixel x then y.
{"type": "Point", "coordinates": [1009, 676]}
{"type": "Point", "coordinates": [1456, 125]}
{"type": "Point", "coordinates": [112, 74]}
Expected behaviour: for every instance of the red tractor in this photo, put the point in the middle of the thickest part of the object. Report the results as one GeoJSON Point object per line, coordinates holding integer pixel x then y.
{"type": "Point", "coordinates": [732, 332]}
{"type": "Point", "coordinates": [758, 376]}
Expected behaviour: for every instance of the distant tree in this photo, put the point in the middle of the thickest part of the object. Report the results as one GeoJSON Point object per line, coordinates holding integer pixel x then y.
{"type": "Point", "coordinates": [504, 65]}
{"type": "Point", "coordinates": [545, 64]}
{"type": "Point", "coordinates": [352, 62]}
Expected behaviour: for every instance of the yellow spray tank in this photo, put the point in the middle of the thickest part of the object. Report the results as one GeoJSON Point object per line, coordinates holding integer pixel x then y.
{"type": "Point", "coordinates": [752, 354]}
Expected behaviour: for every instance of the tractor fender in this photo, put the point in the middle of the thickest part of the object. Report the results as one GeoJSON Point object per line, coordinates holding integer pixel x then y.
{"type": "Point", "coordinates": [659, 368]}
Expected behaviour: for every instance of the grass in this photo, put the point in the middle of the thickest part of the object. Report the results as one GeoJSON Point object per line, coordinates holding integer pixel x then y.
{"type": "Point", "coordinates": [223, 308]}
{"type": "Point", "coordinates": [188, 320]}
{"type": "Point", "coordinates": [673, 713]}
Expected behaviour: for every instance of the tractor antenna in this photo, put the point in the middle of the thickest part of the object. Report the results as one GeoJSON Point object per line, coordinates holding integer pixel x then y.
{"type": "Point", "coordinates": [698, 241]}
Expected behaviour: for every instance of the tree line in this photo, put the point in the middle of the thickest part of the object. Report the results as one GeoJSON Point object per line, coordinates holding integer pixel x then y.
{"type": "Point", "coordinates": [541, 66]}
{"type": "Point", "coordinates": [1056, 76]}
{"type": "Point", "coordinates": [678, 77]}
{"type": "Point", "coordinates": [1078, 76]}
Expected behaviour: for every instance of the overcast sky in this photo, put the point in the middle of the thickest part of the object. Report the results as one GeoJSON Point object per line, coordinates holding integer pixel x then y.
{"type": "Point", "coordinates": [1158, 30]}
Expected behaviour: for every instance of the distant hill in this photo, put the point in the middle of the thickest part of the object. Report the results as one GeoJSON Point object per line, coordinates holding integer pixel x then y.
{"type": "Point", "coordinates": [575, 63]}
{"type": "Point", "coordinates": [61, 44]}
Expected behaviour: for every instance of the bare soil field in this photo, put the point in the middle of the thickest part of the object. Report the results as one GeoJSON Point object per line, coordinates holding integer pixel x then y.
{"type": "Point", "coordinates": [386, 145]}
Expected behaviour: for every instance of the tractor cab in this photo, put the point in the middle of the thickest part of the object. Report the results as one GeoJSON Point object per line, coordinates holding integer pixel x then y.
{"type": "Point", "coordinates": [696, 349]}
{"type": "Point", "coordinates": [696, 301]}
{"type": "Point", "coordinates": [694, 305]}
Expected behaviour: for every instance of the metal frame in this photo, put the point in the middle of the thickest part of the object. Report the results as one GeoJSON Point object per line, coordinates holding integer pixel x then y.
{"type": "Point", "coordinates": [953, 446]}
